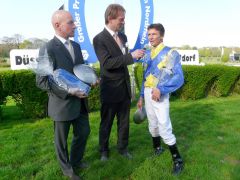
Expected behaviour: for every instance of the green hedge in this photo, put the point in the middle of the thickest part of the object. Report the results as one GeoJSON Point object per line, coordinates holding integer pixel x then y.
{"type": "Point", "coordinates": [202, 81]}
{"type": "Point", "coordinates": [138, 74]}
{"type": "Point", "coordinates": [31, 100]}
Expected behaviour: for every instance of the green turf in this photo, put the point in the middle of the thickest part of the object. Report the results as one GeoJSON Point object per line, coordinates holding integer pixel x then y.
{"type": "Point", "coordinates": [207, 131]}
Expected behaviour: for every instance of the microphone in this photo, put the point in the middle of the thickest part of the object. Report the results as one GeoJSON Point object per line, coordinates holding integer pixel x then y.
{"type": "Point", "coordinates": [147, 47]}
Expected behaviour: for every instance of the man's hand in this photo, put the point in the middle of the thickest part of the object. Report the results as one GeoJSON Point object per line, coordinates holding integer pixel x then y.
{"type": "Point", "coordinates": [140, 103]}
{"type": "Point", "coordinates": [96, 84]}
{"type": "Point", "coordinates": [77, 92]}
{"type": "Point", "coordinates": [138, 54]}
{"type": "Point", "coordinates": [156, 94]}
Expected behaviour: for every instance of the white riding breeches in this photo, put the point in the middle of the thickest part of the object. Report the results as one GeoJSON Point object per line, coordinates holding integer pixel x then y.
{"type": "Point", "coordinates": [159, 122]}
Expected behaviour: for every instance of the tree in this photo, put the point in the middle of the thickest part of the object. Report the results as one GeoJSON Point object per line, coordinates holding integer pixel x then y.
{"type": "Point", "coordinates": [186, 47]}
{"type": "Point", "coordinates": [4, 51]}
{"type": "Point", "coordinates": [6, 46]}
{"type": "Point", "coordinates": [225, 57]}
{"type": "Point", "coordinates": [37, 43]}
{"type": "Point", "coordinates": [8, 41]}
{"type": "Point", "coordinates": [26, 44]}
{"type": "Point", "coordinates": [13, 42]}
{"type": "Point", "coordinates": [17, 42]}
{"type": "Point", "coordinates": [18, 39]}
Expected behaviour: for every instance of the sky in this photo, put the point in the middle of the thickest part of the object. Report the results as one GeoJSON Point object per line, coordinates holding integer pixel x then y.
{"type": "Point", "coordinates": [200, 23]}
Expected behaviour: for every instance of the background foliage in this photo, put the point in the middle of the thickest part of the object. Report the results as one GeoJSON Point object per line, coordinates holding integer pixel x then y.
{"type": "Point", "coordinates": [31, 100]}
{"type": "Point", "coordinates": [200, 82]}
{"type": "Point", "coordinates": [203, 81]}
{"type": "Point", "coordinates": [207, 132]}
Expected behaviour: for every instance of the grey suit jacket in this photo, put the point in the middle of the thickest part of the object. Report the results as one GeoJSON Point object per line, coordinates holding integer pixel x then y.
{"type": "Point", "coordinates": [61, 105]}
{"type": "Point", "coordinates": [115, 80]}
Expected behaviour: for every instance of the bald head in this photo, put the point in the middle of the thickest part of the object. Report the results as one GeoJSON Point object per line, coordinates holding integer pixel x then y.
{"type": "Point", "coordinates": [63, 24]}
{"type": "Point", "coordinates": [58, 16]}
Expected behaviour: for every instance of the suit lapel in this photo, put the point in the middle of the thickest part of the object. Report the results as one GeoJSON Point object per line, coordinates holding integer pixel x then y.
{"type": "Point", "coordinates": [78, 53]}
{"type": "Point", "coordinates": [63, 49]}
{"type": "Point", "coordinates": [111, 40]}
{"type": "Point", "coordinates": [124, 41]}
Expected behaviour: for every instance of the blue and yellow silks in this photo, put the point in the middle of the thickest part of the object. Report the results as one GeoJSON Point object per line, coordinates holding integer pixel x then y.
{"type": "Point", "coordinates": [157, 60]}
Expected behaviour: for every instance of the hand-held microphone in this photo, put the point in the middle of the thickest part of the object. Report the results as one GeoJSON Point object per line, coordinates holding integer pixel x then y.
{"type": "Point", "coordinates": [147, 47]}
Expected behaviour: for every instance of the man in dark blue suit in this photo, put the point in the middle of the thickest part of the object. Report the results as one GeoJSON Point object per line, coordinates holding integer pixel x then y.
{"type": "Point", "coordinates": [66, 108]}
{"type": "Point", "coordinates": [111, 48]}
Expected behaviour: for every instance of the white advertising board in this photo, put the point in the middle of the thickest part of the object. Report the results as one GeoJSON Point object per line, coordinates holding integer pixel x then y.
{"type": "Point", "coordinates": [20, 58]}
{"type": "Point", "coordinates": [189, 57]}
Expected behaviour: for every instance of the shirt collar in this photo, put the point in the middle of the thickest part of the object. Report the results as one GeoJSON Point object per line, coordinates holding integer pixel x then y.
{"type": "Point", "coordinates": [110, 31]}
{"type": "Point", "coordinates": [61, 39]}
{"type": "Point", "coordinates": [156, 50]}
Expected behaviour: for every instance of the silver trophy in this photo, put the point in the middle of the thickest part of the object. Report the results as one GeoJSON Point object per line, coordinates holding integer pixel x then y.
{"type": "Point", "coordinates": [70, 82]}
{"type": "Point", "coordinates": [85, 73]}
{"type": "Point", "coordinates": [43, 66]}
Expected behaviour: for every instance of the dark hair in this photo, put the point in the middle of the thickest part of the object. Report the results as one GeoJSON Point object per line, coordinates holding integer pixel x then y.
{"type": "Point", "coordinates": [112, 11]}
{"type": "Point", "coordinates": [159, 27]}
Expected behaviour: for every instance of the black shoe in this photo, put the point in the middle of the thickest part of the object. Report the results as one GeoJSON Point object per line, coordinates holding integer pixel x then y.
{"type": "Point", "coordinates": [158, 151]}
{"type": "Point", "coordinates": [126, 154]}
{"type": "Point", "coordinates": [104, 156]}
{"type": "Point", "coordinates": [177, 166]}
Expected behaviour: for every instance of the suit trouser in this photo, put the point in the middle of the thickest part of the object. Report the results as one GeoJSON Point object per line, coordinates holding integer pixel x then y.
{"type": "Point", "coordinates": [159, 122]}
{"type": "Point", "coordinates": [108, 112]}
{"type": "Point", "coordinates": [81, 130]}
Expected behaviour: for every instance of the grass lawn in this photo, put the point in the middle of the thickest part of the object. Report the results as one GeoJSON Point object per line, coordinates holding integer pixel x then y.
{"type": "Point", "coordinates": [207, 131]}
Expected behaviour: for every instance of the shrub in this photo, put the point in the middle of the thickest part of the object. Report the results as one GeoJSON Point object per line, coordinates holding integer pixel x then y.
{"type": "Point", "coordinates": [138, 73]}
{"type": "Point", "coordinates": [31, 100]}
{"type": "Point", "coordinates": [226, 80]}
{"type": "Point", "coordinates": [2, 95]}
{"type": "Point", "coordinates": [198, 79]}
{"type": "Point", "coordinates": [0, 113]}
{"type": "Point", "coordinates": [201, 81]}
{"type": "Point", "coordinates": [94, 96]}
{"type": "Point", "coordinates": [4, 62]}
{"type": "Point", "coordinates": [8, 85]}
{"type": "Point", "coordinates": [94, 99]}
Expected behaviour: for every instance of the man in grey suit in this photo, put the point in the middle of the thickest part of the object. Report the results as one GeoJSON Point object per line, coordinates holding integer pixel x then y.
{"type": "Point", "coordinates": [110, 47]}
{"type": "Point", "coordinates": [66, 108]}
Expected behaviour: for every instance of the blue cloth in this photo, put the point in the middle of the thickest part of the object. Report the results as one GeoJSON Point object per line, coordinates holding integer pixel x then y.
{"type": "Point", "coordinates": [169, 82]}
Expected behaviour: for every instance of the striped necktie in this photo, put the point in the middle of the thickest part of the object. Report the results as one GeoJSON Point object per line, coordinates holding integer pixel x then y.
{"type": "Point", "coordinates": [69, 47]}
{"type": "Point", "coordinates": [118, 40]}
